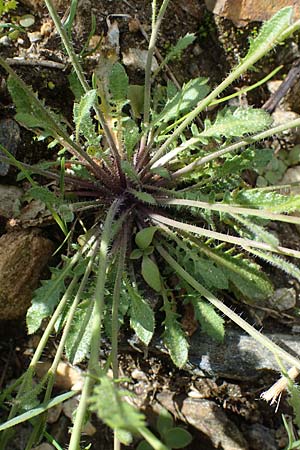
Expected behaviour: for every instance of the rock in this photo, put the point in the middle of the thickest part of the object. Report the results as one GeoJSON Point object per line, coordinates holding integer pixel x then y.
{"type": "Point", "coordinates": [247, 360]}
{"type": "Point", "coordinates": [23, 257]}
{"type": "Point", "coordinates": [243, 12]}
{"type": "Point", "coordinates": [9, 138]}
{"type": "Point", "coordinates": [283, 299]}
{"type": "Point", "coordinates": [259, 436]}
{"type": "Point", "coordinates": [10, 200]}
{"type": "Point", "coordinates": [39, 4]}
{"type": "Point", "coordinates": [54, 413]}
{"type": "Point", "coordinates": [292, 175]}
{"type": "Point", "coordinates": [137, 59]}
{"type": "Point", "coordinates": [44, 446]}
{"type": "Point", "coordinates": [207, 417]}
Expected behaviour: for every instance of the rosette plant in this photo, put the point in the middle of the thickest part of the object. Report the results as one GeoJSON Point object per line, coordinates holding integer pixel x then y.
{"type": "Point", "coordinates": [166, 218]}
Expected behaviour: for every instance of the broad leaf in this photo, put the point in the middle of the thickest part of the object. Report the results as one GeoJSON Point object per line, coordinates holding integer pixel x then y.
{"type": "Point", "coordinates": [118, 83]}
{"type": "Point", "coordinates": [178, 438]}
{"type": "Point", "coordinates": [141, 316]}
{"type": "Point", "coordinates": [191, 93]}
{"type": "Point", "coordinates": [174, 337]}
{"type": "Point", "coordinates": [164, 422]}
{"type": "Point", "coordinates": [44, 301]}
{"type": "Point", "coordinates": [211, 323]}
{"type": "Point", "coordinates": [151, 273]}
{"type": "Point", "coordinates": [111, 406]}
{"type": "Point", "coordinates": [144, 237]}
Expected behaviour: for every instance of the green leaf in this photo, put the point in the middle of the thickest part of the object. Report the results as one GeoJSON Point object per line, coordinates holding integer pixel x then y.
{"type": "Point", "coordinates": [272, 201]}
{"type": "Point", "coordinates": [111, 406]}
{"type": "Point", "coordinates": [75, 86]}
{"type": "Point", "coordinates": [141, 316]}
{"type": "Point", "coordinates": [178, 438]}
{"type": "Point", "coordinates": [136, 254]}
{"type": "Point", "coordinates": [77, 344]}
{"type": "Point", "coordinates": [164, 422]}
{"type": "Point", "coordinates": [44, 301]}
{"type": "Point", "coordinates": [136, 98]}
{"type": "Point", "coordinates": [144, 237]}
{"type": "Point", "coordinates": [42, 194]}
{"type": "Point", "coordinates": [118, 83]}
{"type": "Point", "coordinates": [151, 273]}
{"type": "Point", "coordinates": [294, 401]}
{"type": "Point", "coordinates": [182, 44]}
{"type": "Point", "coordinates": [174, 337]}
{"type": "Point", "coordinates": [143, 196]}
{"type": "Point", "coordinates": [271, 31]}
{"type": "Point", "coordinates": [191, 93]}
{"type": "Point", "coordinates": [82, 116]}
{"type": "Point", "coordinates": [237, 122]}
{"type": "Point", "coordinates": [143, 445]}
{"type": "Point", "coordinates": [211, 323]}
{"type": "Point", "coordinates": [130, 171]}
{"type": "Point", "coordinates": [131, 135]}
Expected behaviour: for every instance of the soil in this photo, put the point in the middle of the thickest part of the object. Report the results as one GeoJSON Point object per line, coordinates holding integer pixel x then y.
{"type": "Point", "coordinates": [216, 48]}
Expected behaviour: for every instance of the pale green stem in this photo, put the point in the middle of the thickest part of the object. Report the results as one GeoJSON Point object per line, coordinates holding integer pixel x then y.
{"type": "Point", "coordinates": [93, 365]}
{"type": "Point", "coordinates": [230, 148]}
{"type": "Point", "coordinates": [266, 342]}
{"type": "Point", "coordinates": [230, 209]}
{"type": "Point", "coordinates": [115, 319]}
{"type": "Point", "coordinates": [80, 74]}
{"type": "Point", "coordinates": [235, 74]}
{"type": "Point", "coordinates": [157, 218]}
{"type": "Point", "coordinates": [152, 440]}
{"type": "Point", "coordinates": [147, 91]}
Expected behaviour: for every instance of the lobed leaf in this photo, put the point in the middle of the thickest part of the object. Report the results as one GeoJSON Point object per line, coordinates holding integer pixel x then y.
{"type": "Point", "coordinates": [211, 323]}
{"type": "Point", "coordinates": [237, 122]}
{"type": "Point", "coordinates": [141, 316]}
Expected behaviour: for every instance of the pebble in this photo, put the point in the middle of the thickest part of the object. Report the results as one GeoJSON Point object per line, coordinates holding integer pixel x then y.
{"type": "Point", "coordinates": [137, 58]}
{"type": "Point", "coordinates": [10, 200]}
{"type": "Point", "coordinates": [283, 299]}
{"type": "Point", "coordinates": [137, 374]}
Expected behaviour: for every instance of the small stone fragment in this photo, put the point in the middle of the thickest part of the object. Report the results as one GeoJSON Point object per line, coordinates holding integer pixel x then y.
{"type": "Point", "coordinates": [67, 377]}
{"type": "Point", "coordinates": [70, 406]}
{"type": "Point", "coordinates": [34, 37]}
{"type": "Point", "coordinates": [44, 446]}
{"type": "Point", "coordinates": [137, 374]}
{"type": "Point", "coordinates": [10, 200]}
{"type": "Point", "coordinates": [54, 413]}
{"type": "Point", "coordinates": [23, 257]}
{"type": "Point", "coordinates": [283, 299]}
{"type": "Point", "coordinates": [27, 20]}
{"type": "Point", "coordinates": [207, 417]}
{"type": "Point", "coordinates": [137, 58]}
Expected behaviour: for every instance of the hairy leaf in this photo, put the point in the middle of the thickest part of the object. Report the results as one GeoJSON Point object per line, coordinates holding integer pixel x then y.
{"type": "Point", "coordinates": [118, 83]}
{"type": "Point", "coordinates": [237, 122]}
{"type": "Point", "coordinates": [191, 93]}
{"type": "Point", "coordinates": [131, 136]}
{"type": "Point", "coordinates": [272, 201]}
{"type": "Point", "coordinates": [211, 323]}
{"type": "Point", "coordinates": [143, 196]}
{"type": "Point", "coordinates": [174, 337]}
{"type": "Point", "coordinates": [111, 406]}
{"type": "Point", "coordinates": [82, 118]}
{"type": "Point", "coordinates": [141, 316]}
{"type": "Point", "coordinates": [77, 344]}
{"type": "Point", "coordinates": [44, 301]}
{"type": "Point", "coordinates": [271, 31]}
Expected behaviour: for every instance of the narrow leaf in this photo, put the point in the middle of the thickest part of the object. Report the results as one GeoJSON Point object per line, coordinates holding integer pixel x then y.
{"type": "Point", "coordinates": [141, 316]}
{"type": "Point", "coordinates": [118, 83]}
{"type": "Point", "coordinates": [174, 337]}
{"type": "Point", "coordinates": [81, 113]}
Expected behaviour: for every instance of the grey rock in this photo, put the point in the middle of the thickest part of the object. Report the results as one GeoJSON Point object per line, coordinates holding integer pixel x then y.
{"type": "Point", "coordinates": [239, 356]}
{"type": "Point", "coordinates": [10, 200]}
{"type": "Point", "coordinates": [260, 437]}
{"type": "Point", "coordinates": [9, 138]}
{"type": "Point", "coordinates": [207, 417]}
{"type": "Point", "coordinates": [283, 299]}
